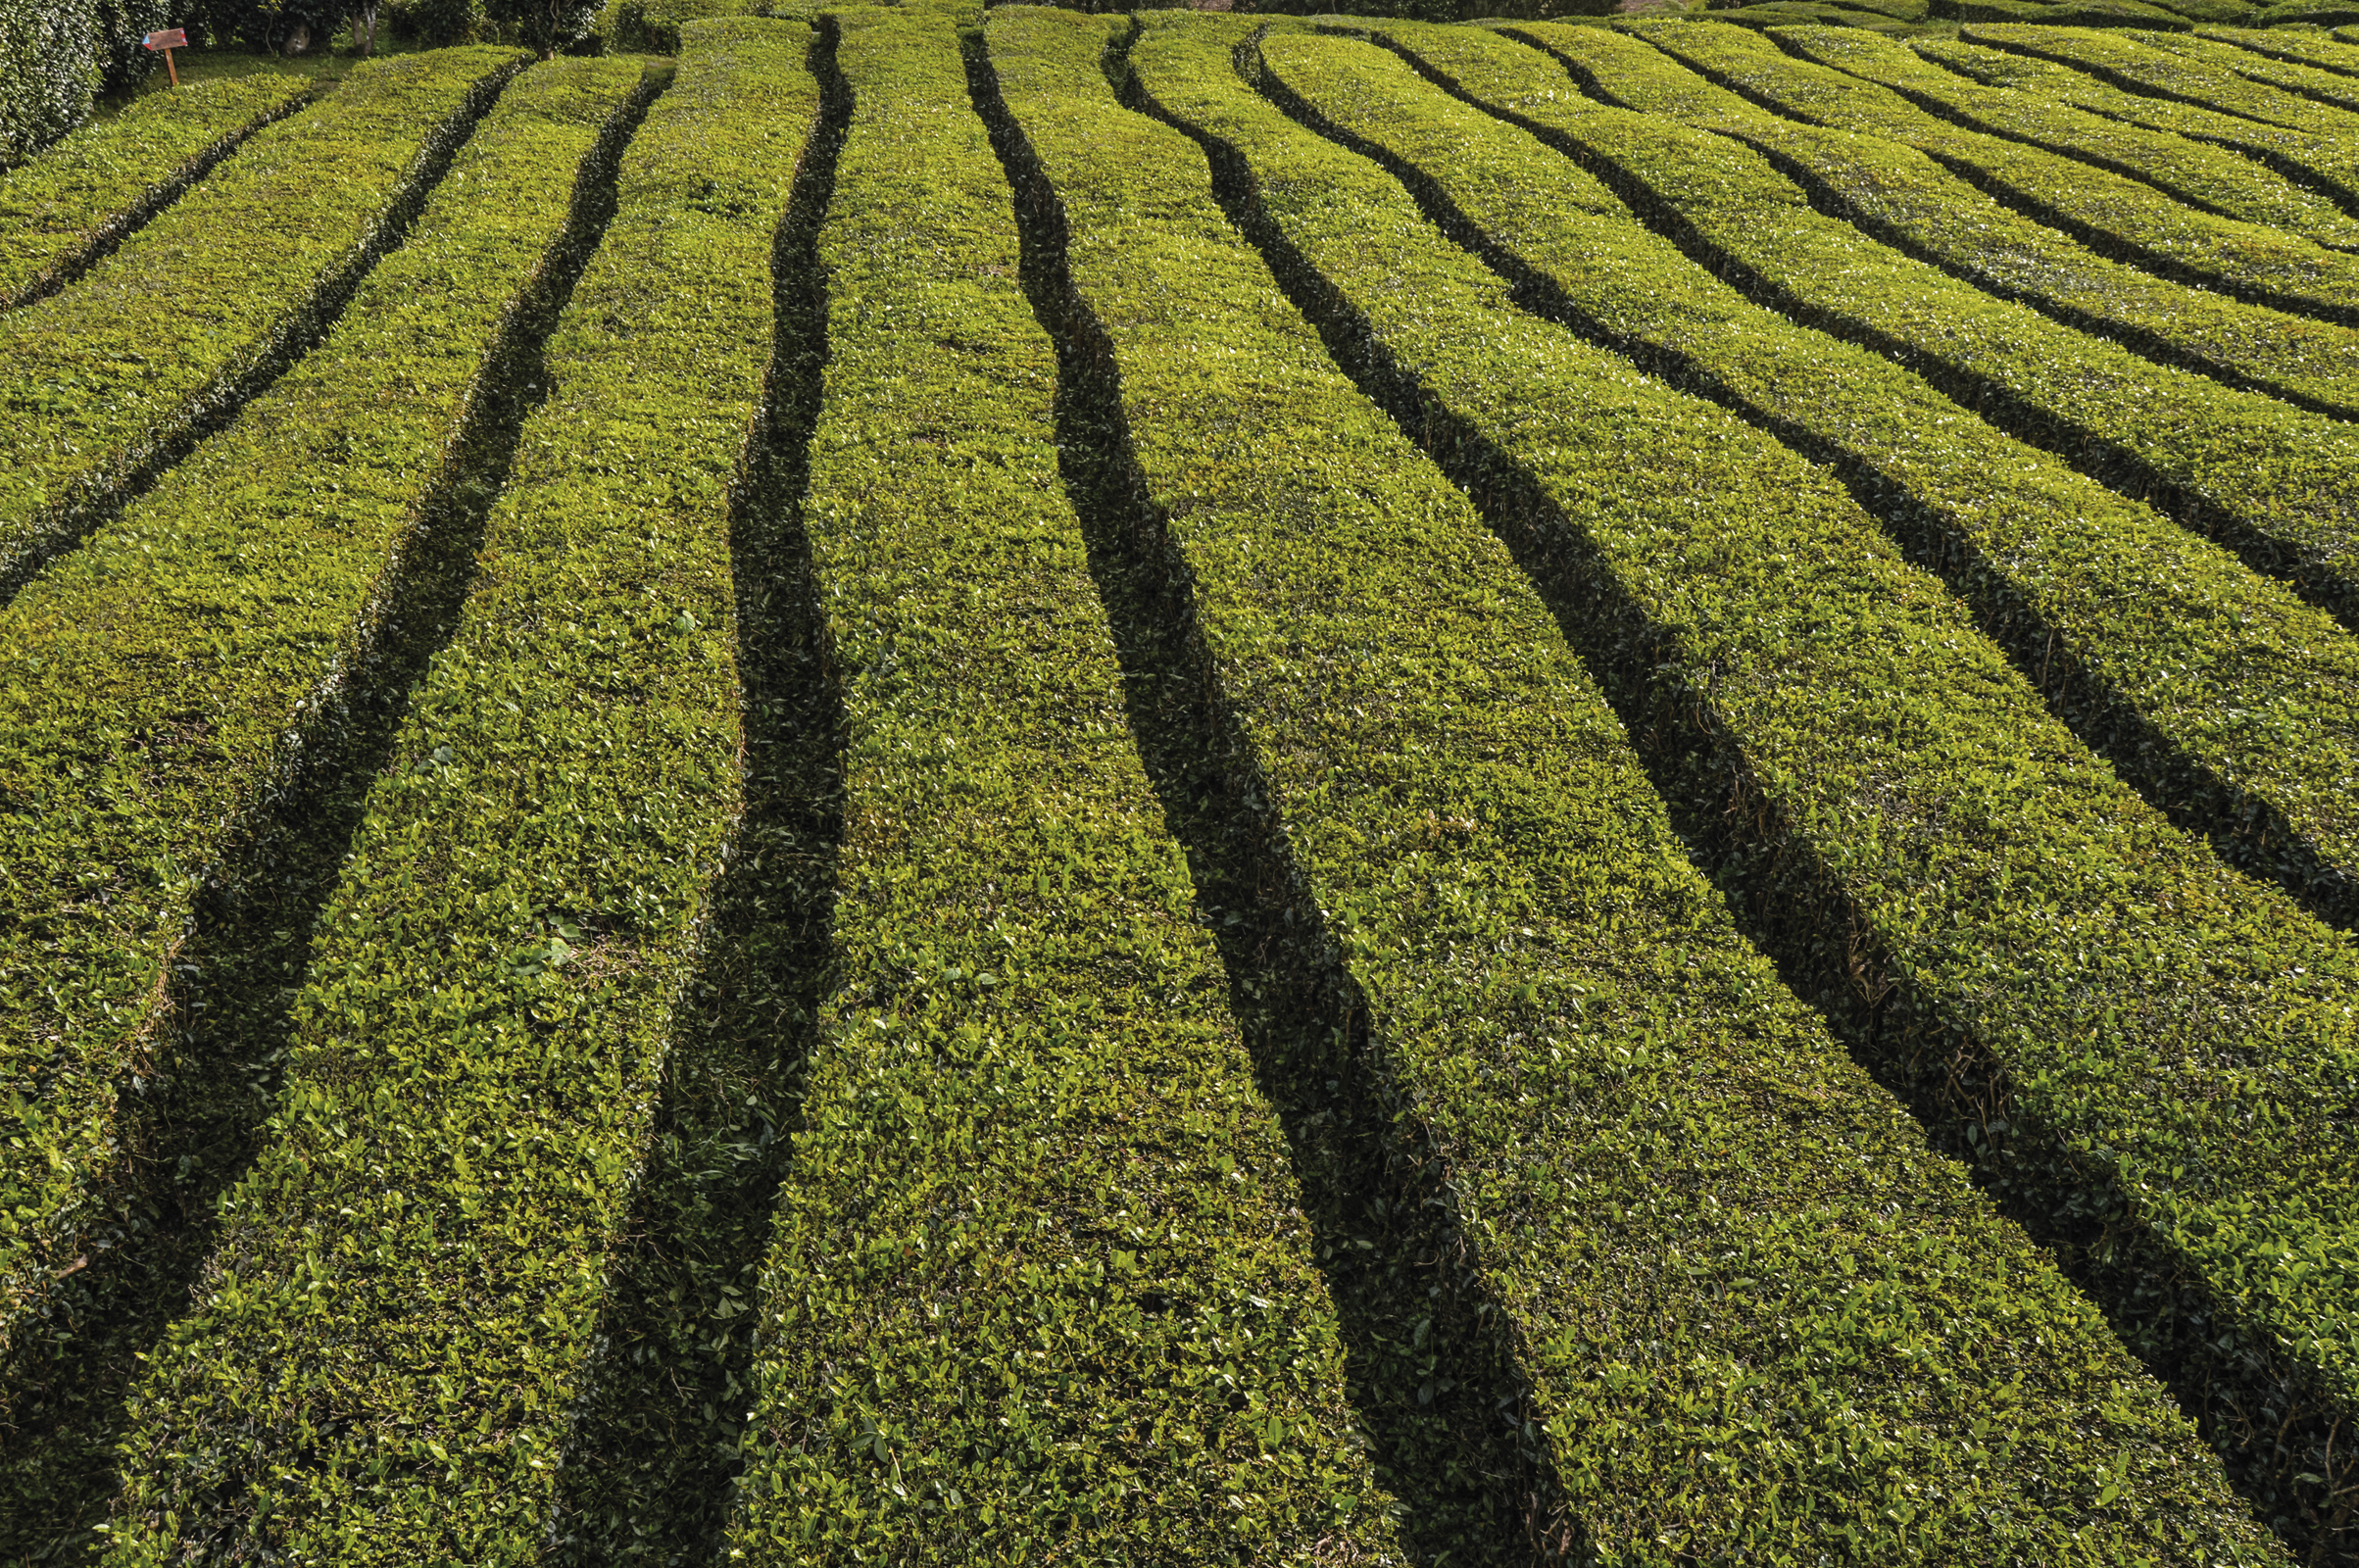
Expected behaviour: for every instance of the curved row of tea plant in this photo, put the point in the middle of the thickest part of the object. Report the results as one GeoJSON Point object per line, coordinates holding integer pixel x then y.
{"type": "Point", "coordinates": [2335, 87]}
{"type": "Point", "coordinates": [2148, 66]}
{"type": "Point", "coordinates": [1648, 1151]}
{"type": "Point", "coordinates": [73, 204]}
{"type": "Point", "coordinates": [2120, 219]}
{"type": "Point", "coordinates": [2278, 215]}
{"type": "Point", "coordinates": [1895, 190]}
{"type": "Point", "coordinates": [2298, 46]}
{"type": "Point", "coordinates": [2279, 484]}
{"type": "Point", "coordinates": [2327, 163]}
{"type": "Point", "coordinates": [2189, 670]}
{"type": "Point", "coordinates": [1913, 205]}
{"type": "Point", "coordinates": [1040, 1283]}
{"type": "Point", "coordinates": [2109, 1022]}
{"type": "Point", "coordinates": [163, 680]}
{"type": "Point", "coordinates": [104, 385]}
{"type": "Point", "coordinates": [2076, 13]}
{"type": "Point", "coordinates": [382, 1363]}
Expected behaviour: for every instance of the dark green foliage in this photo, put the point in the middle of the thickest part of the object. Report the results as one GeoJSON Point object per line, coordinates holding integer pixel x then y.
{"type": "Point", "coordinates": [146, 704]}
{"type": "Point", "coordinates": [385, 1350]}
{"type": "Point", "coordinates": [281, 26]}
{"type": "Point", "coordinates": [122, 25]}
{"type": "Point", "coordinates": [2201, 176]}
{"type": "Point", "coordinates": [1040, 1289]}
{"type": "Point", "coordinates": [652, 27]}
{"type": "Point", "coordinates": [2137, 228]}
{"type": "Point", "coordinates": [2137, 1047]}
{"type": "Point", "coordinates": [54, 54]}
{"type": "Point", "coordinates": [75, 203]}
{"type": "Point", "coordinates": [439, 22]}
{"type": "Point", "coordinates": [51, 60]}
{"type": "Point", "coordinates": [1602, 1074]}
{"type": "Point", "coordinates": [2279, 484]}
{"type": "Point", "coordinates": [543, 25]}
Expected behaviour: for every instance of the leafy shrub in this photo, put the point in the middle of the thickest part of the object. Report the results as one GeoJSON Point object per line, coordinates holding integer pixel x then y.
{"type": "Point", "coordinates": [1915, 206]}
{"type": "Point", "coordinates": [52, 59]}
{"type": "Point", "coordinates": [652, 27]}
{"type": "Point", "coordinates": [543, 25]}
{"type": "Point", "coordinates": [251, 606]}
{"type": "Point", "coordinates": [2301, 46]}
{"type": "Point", "coordinates": [2071, 13]}
{"type": "Point", "coordinates": [2322, 81]}
{"type": "Point", "coordinates": [437, 22]}
{"type": "Point", "coordinates": [98, 392]}
{"type": "Point", "coordinates": [2111, 607]}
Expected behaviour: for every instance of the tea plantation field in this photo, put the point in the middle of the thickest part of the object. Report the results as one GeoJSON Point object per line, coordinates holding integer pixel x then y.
{"type": "Point", "coordinates": [936, 786]}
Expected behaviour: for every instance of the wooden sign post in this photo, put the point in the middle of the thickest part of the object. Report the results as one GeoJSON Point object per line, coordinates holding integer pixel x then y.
{"type": "Point", "coordinates": [169, 39]}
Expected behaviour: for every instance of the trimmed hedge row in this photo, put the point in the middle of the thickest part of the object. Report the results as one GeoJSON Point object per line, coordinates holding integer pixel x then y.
{"type": "Point", "coordinates": [1041, 1287]}
{"type": "Point", "coordinates": [2124, 219]}
{"type": "Point", "coordinates": [2130, 1041]}
{"type": "Point", "coordinates": [105, 385]}
{"type": "Point", "coordinates": [2327, 163]}
{"type": "Point", "coordinates": [2140, 66]}
{"type": "Point", "coordinates": [2198, 174]}
{"type": "Point", "coordinates": [75, 204]}
{"type": "Point", "coordinates": [2334, 88]}
{"type": "Point", "coordinates": [2294, 45]}
{"type": "Point", "coordinates": [50, 63]}
{"type": "Point", "coordinates": [1905, 199]}
{"type": "Point", "coordinates": [381, 1365]}
{"type": "Point", "coordinates": [2277, 484]}
{"type": "Point", "coordinates": [155, 680]}
{"type": "Point", "coordinates": [1698, 1214]}
{"type": "Point", "coordinates": [2219, 693]}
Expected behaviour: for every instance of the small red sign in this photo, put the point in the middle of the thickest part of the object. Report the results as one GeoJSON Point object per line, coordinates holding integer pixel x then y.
{"type": "Point", "coordinates": [174, 38]}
